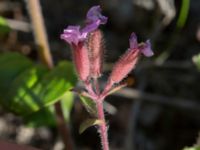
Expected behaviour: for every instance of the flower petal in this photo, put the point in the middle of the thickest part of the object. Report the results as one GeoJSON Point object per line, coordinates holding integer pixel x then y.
{"type": "Point", "coordinates": [72, 34]}
{"type": "Point", "coordinates": [146, 49]}
{"type": "Point", "coordinates": [133, 41]}
{"type": "Point", "coordinates": [93, 19]}
{"type": "Point", "coordinates": [94, 15]}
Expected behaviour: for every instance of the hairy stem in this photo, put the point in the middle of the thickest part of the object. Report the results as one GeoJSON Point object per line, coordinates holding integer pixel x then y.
{"type": "Point", "coordinates": [89, 88]}
{"type": "Point", "coordinates": [41, 39]}
{"type": "Point", "coordinates": [102, 126]}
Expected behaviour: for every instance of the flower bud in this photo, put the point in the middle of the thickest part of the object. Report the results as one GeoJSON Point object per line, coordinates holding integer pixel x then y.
{"type": "Point", "coordinates": [96, 50]}
{"type": "Point", "coordinates": [128, 61]}
{"type": "Point", "coordinates": [124, 65]}
{"type": "Point", "coordinates": [81, 60]}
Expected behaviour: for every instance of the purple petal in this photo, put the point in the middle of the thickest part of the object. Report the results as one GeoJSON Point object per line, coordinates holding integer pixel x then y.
{"type": "Point", "coordinates": [146, 49]}
{"type": "Point", "coordinates": [94, 15]}
{"type": "Point", "coordinates": [93, 19]}
{"type": "Point", "coordinates": [90, 27]}
{"type": "Point", "coordinates": [72, 34]}
{"type": "Point", "coordinates": [133, 41]}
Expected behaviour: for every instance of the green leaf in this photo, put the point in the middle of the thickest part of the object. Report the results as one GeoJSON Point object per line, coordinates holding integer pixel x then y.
{"type": "Point", "coordinates": [26, 88]}
{"type": "Point", "coordinates": [46, 116]}
{"type": "Point", "coordinates": [67, 104]}
{"type": "Point", "coordinates": [4, 28]}
{"type": "Point", "coordinates": [196, 60]}
{"type": "Point", "coordinates": [88, 123]}
{"type": "Point", "coordinates": [89, 105]}
{"type": "Point", "coordinates": [43, 117]}
{"type": "Point", "coordinates": [60, 80]}
{"type": "Point", "coordinates": [192, 148]}
{"type": "Point", "coordinates": [23, 96]}
{"type": "Point", "coordinates": [11, 65]}
{"type": "Point", "coordinates": [183, 15]}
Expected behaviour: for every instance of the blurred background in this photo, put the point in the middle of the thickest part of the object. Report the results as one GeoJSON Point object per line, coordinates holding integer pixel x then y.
{"type": "Point", "coordinates": [158, 111]}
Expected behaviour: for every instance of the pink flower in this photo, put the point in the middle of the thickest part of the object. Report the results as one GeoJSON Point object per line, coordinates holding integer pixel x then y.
{"type": "Point", "coordinates": [94, 18]}
{"type": "Point", "coordinates": [144, 48]}
{"type": "Point", "coordinates": [76, 37]}
{"type": "Point", "coordinates": [73, 35]}
{"type": "Point", "coordinates": [128, 61]}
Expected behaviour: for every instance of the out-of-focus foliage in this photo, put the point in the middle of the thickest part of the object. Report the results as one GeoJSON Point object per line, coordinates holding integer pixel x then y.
{"type": "Point", "coordinates": [192, 148]}
{"type": "Point", "coordinates": [183, 13]}
{"type": "Point", "coordinates": [46, 116]}
{"type": "Point", "coordinates": [4, 28]}
{"type": "Point", "coordinates": [27, 88]}
{"type": "Point", "coordinates": [196, 60]}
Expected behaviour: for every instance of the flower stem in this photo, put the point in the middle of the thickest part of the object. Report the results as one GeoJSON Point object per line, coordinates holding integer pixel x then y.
{"type": "Point", "coordinates": [102, 126]}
